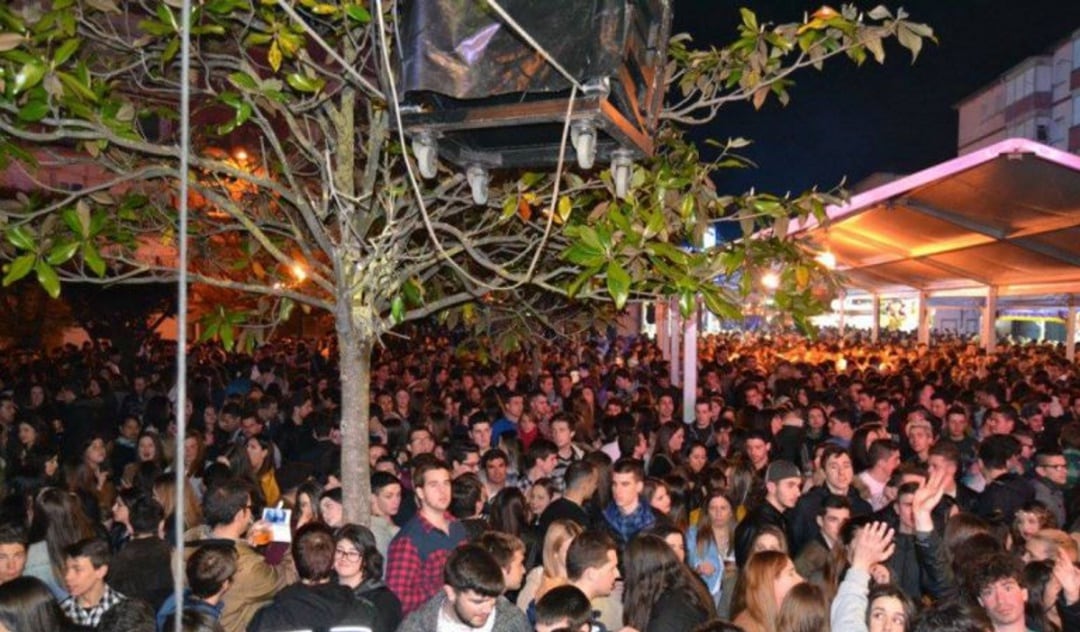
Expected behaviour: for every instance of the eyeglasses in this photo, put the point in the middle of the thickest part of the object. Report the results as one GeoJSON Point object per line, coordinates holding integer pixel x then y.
{"type": "Point", "coordinates": [349, 556]}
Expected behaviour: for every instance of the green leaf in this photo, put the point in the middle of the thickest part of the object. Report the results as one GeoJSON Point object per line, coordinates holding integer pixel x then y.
{"type": "Point", "coordinates": [71, 218]}
{"type": "Point", "coordinates": [749, 19]}
{"type": "Point", "coordinates": [65, 51]}
{"type": "Point", "coordinates": [397, 309]}
{"type": "Point", "coordinates": [228, 336]}
{"type": "Point", "coordinates": [29, 76]}
{"type": "Point", "coordinates": [75, 87]}
{"type": "Point", "coordinates": [586, 275]}
{"type": "Point", "coordinates": [21, 238]}
{"type": "Point", "coordinates": [686, 303]}
{"type": "Point", "coordinates": [46, 276]}
{"type": "Point", "coordinates": [170, 50]}
{"type": "Point", "coordinates": [93, 259]}
{"type": "Point", "coordinates": [165, 16]}
{"type": "Point", "coordinates": [62, 253]}
{"type": "Point", "coordinates": [302, 83]}
{"type": "Point", "coordinates": [618, 284]}
{"type": "Point", "coordinates": [413, 292]}
{"type": "Point", "coordinates": [33, 111]}
{"type": "Point", "coordinates": [358, 13]}
{"type": "Point", "coordinates": [19, 268]}
{"type": "Point", "coordinates": [243, 81]}
{"type": "Point", "coordinates": [723, 309]}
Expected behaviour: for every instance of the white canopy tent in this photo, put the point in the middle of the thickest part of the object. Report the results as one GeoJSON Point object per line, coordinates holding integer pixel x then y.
{"type": "Point", "coordinates": [1001, 224]}
{"type": "Point", "coordinates": [998, 225]}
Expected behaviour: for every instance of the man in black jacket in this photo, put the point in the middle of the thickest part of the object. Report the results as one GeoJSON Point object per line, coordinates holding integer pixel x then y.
{"type": "Point", "coordinates": [142, 568]}
{"type": "Point", "coordinates": [918, 563]}
{"type": "Point", "coordinates": [782, 486]}
{"type": "Point", "coordinates": [316, 601]}
{"type": "Point", "coordinates": [1006, 491]}
{"type": "Point", "coordinates": [839, 473]}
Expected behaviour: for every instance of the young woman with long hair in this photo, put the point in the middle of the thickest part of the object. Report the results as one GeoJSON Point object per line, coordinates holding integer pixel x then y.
{"type": "Point", "coordinates": [164, 492]}
{"type": "Point", "coordinates": [148, 449]}
{"type": "Point", "coordinates": [668, 452]}
{"type": "Point", "coordinates": [768, 576]}
{"type": "Point", "coordinates": [27, 604]}
{"type": "Point", "coordinates": [552, 572]}
{"type": "Point", "coordinates": [256, 464]}
{"type": "Point", "coordinates": [710, 548]}
{"type": "Point", "coordinates": [658, 494]}
{"type": "Point", "coordinates": [32, 437]}
{"type": "Point", "coordinates": [58, 522]}
{"type": "Point", "coordinates": [121, 530]}
{"type": "Point", "coordinates": [92, 475]}
{"type": "Point", "coordinates": [509, 513]}
{"type": "Point", "coordinates": [662, 593]}
{"type": "Point", "coordinates": [805, 609]}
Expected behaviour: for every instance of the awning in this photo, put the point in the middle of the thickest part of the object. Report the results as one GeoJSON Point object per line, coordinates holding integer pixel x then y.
{"type": "Point", "coordinates": [1006, 217]}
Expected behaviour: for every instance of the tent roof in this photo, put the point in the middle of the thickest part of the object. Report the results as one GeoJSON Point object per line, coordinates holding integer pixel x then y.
{"type": "Point", "coordinates": [1005, 216]}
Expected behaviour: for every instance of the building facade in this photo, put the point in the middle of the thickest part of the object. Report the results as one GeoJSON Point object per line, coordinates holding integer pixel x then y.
{"type": "Point", "coordinates": [1038, 99]}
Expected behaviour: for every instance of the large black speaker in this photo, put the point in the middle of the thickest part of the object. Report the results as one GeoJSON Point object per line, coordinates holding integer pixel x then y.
{"type": "Point", "coordinates": [479, 96]}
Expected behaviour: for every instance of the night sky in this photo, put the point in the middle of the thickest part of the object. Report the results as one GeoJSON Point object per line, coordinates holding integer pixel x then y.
{"type": "Point", "coordinates": [851, 122]}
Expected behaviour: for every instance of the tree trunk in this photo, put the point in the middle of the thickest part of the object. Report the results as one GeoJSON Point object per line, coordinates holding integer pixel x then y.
{"type": "Point", "coordinates": [355, 357]}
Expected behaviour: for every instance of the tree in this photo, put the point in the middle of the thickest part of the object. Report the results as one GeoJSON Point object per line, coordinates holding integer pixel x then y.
{"type": "Point", "coordinates": [301, 193]}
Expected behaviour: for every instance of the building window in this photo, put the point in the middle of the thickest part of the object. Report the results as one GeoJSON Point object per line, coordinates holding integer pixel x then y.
{"type": "Point", "coordinates": [1042, 132]}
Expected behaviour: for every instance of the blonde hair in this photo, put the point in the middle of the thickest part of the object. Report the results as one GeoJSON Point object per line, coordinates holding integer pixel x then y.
{"type": "Point", "coordinates": [559, 532]}
{"type": "Point", "coordinates": [760, 574]}
{"type": "Point", "coordinates": [165, 493]}
{"type": "Point", "coordinates": [1056, 539]}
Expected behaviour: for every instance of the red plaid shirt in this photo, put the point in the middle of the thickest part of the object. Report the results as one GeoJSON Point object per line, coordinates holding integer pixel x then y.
{"type": "Point", "coordinates": [414, 562]}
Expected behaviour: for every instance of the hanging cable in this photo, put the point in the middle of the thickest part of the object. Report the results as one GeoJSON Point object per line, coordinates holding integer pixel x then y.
{"type": "Point", "coordinates": [415, 184]}
{"type": "Point", "coordinates": [536, 45]}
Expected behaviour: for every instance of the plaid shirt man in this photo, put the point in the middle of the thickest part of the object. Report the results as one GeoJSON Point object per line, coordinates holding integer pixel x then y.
{"type": "Point", "coordinates": [91, 616]}
{"type": "Point", "coordinates": [415, 560]}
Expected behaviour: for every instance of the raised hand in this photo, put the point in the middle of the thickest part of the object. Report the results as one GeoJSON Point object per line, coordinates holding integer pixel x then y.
{"type": "Point", "coordinates": [926, 498]}
{"type": "Point", "coordinates": [873, 544]}
{"type": "Point", "coordinates": [1068, 575]}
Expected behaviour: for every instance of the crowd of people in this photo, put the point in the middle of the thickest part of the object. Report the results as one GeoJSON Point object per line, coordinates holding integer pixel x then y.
{"type": "Point", "coordinates": [817, 484]}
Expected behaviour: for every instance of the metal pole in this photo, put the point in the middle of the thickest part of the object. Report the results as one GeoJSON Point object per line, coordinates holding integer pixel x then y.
{"type": "Point", "coordinates": [181, 313]}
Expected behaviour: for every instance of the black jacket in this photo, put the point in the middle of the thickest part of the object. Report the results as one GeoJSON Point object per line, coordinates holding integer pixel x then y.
{"type": "Point", "coordinates": [803, 518]}
{"type": "Point", "coordinates": [387, 606]}
{"type": "Point", "coordinates": [143, 569]}
{"type": "Point", "coordinates": [320, 607]}
{"type": "Point", "coordinates": [746, 531]}
{"type": "Point", "coordinates": [674, 611]}
{"type": "Point", "coordinates": [1003, 496]}
{"type": "Point", "coordinates": [918, 566]}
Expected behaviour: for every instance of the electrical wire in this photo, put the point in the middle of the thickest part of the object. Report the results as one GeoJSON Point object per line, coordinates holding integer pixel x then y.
{"type": "Point", "coordinates": [536, 45]}
{"type": "Point", "coordinates": [415, 185]}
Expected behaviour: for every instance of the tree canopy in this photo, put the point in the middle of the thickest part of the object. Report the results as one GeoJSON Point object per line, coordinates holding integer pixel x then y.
{"type": "Point", "coordinates": [301, 193]}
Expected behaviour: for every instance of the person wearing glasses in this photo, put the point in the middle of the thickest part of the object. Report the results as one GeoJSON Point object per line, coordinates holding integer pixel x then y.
{"type": "Point", "coordinates": [359, 565]}
{"type": "Point", "coordinates": [316, 601]}
{"type": "Point", "coordinates": [1051, 470]}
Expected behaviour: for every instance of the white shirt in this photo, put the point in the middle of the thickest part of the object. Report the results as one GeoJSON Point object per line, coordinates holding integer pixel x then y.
{"type": "Point", "coordinates": [877, 491]}
{"type": "Point", "coordinates": [449, 623]}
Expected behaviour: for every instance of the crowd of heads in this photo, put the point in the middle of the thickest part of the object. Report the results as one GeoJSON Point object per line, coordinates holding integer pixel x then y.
{"type": "Point", "coordinates": [812, 484]}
